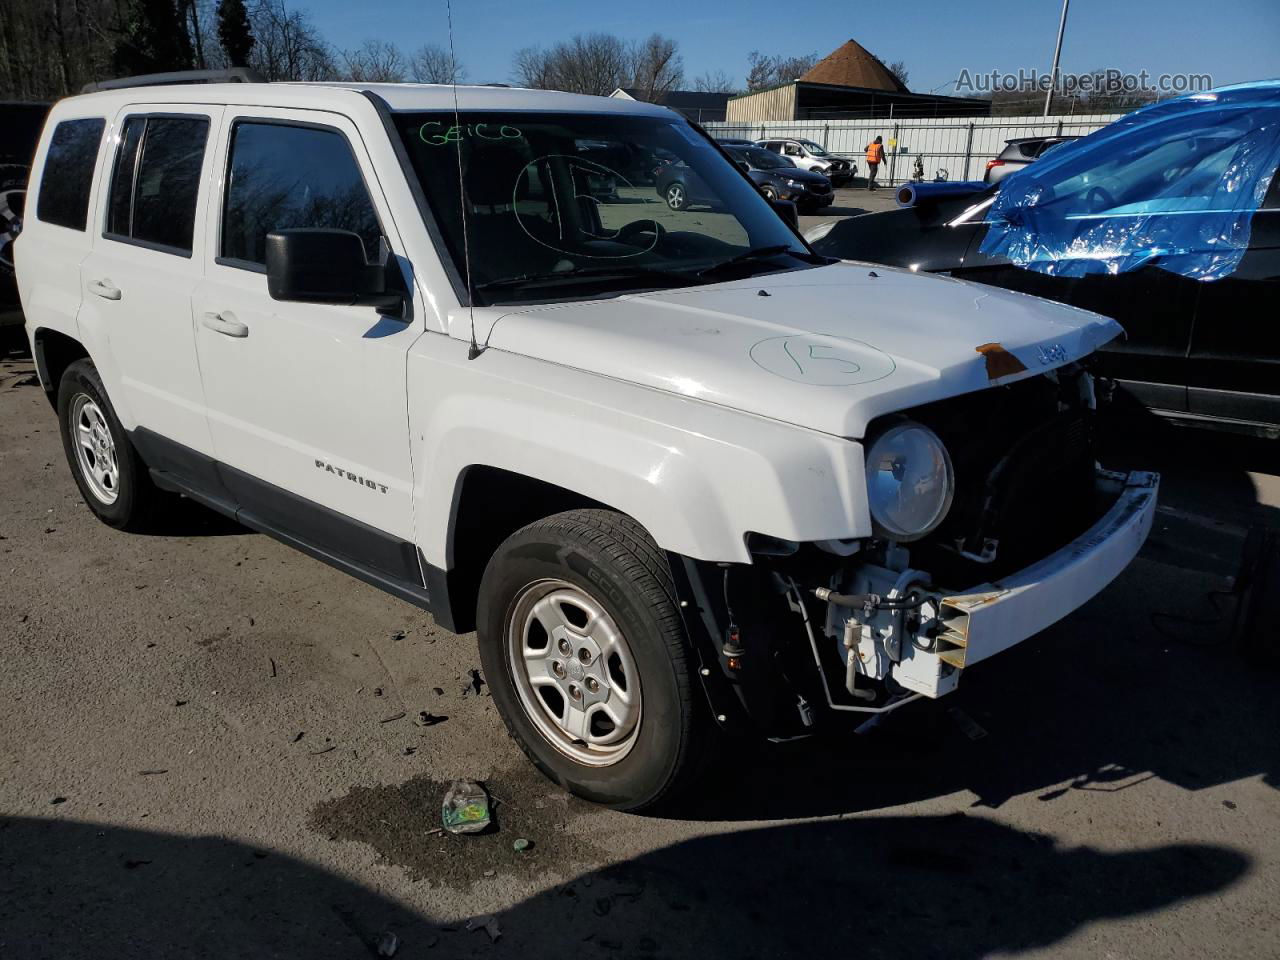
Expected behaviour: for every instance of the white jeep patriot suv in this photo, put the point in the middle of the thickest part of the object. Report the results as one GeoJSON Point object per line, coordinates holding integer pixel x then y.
{"type": "Point", "coordinates": [679, 473]}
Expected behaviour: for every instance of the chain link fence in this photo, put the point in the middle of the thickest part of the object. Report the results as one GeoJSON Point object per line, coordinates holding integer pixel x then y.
{"type": "Point", "coordinates": [947, 149]}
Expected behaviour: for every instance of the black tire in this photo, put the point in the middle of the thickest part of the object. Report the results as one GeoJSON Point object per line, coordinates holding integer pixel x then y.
{"type": "Point", "coordinates": [677, 195]}
{"type": "Point", "coordinates": [769, 192]}
{"type": "Point", "coordinates": [137, 498]}
{"type": "Point", "coordinates": [615, 562]}
{"type": "Point", "coordinates": [13, 189]}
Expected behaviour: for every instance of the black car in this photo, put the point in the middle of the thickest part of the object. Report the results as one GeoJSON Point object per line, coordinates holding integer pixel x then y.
{"type": "Point", "coordinates": [1196, 351]}
{"type": "Point", "coordinates": [1018, 153]}
{"type": "Point", "coordinates": [774, 175]}
{"type": "Point", "coordinates": [20, 126]}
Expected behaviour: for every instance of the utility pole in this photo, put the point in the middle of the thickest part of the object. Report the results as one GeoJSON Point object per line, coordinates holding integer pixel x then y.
{"type": "Point", "coordinates": [1057, 55]}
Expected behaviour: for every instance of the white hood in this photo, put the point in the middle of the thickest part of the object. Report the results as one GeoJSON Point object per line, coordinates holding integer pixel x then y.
{"type": "Point", "coordinates": [830, 348]}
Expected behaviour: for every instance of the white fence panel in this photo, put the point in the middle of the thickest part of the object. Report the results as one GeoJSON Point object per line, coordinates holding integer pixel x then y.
{"type": "Point", "coordinates": [952, 148]}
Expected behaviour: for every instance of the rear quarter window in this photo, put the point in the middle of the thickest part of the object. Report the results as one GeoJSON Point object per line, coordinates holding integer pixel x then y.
{"type": "Point", "coordinates": [68, 173]}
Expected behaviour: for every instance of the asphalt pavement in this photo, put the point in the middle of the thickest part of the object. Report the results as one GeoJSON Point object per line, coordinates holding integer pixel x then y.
{"type": "Point", "coordinates": [208, 750]}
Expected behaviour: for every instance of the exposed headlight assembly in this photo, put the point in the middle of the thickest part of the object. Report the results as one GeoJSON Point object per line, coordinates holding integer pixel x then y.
{"type": "Point", "coordinates": [910, 482]}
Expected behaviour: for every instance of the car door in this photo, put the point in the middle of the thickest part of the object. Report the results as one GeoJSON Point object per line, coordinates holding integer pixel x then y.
{"type": "Point", "coordinates": [138, 279]}
{"type": "Point", "coordinates": [1233, 369]}
{"type": "Point", "coordinates": [306, 402]}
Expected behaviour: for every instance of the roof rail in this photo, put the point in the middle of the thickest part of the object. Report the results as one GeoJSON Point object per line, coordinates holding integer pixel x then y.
{"type": "Point", "coordinates": [230, 75]}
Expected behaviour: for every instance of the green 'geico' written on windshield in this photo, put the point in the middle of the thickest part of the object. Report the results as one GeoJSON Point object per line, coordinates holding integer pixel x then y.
{"type": "Point", "coordinates": [435, 134]}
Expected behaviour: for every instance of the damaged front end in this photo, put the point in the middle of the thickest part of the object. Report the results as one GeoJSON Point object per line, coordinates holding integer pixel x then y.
{"type": "Point", "coordinates": [1028, 529]}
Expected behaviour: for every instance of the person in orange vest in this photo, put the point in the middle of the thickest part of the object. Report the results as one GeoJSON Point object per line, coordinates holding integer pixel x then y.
{"type": "Point", "coordinates": [875, 157]}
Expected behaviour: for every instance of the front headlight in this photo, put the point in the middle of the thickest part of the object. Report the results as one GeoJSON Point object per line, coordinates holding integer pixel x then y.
{"type": "Point", "coordinates": [794, 183]}
{"type": "Point", "coordinates": [909, 482]}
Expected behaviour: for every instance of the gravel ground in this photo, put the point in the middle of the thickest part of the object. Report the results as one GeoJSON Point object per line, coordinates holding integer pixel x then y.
{"type": "Point", "coordinates": [208, 751]}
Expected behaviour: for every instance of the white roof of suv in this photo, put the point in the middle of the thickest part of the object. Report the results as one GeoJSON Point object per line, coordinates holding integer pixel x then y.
{"type": "Point", "coordinates": [398, 96]}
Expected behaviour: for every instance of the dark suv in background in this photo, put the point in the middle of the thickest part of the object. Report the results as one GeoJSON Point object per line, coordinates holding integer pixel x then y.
{"type": "Point", "coordinates": [776, 177]}
{"type": "Point", "coordinates": [20, 126]}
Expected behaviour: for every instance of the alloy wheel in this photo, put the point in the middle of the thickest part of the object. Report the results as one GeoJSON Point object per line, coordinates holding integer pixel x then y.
{"type": "Point", "coordinates": [95, 449]}
{"type": "Point", "coordinates": [574, 672]}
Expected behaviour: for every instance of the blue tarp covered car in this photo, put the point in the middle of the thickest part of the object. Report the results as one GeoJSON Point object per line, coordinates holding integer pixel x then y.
{"type": "Point", "coordinates": [1175, 184]}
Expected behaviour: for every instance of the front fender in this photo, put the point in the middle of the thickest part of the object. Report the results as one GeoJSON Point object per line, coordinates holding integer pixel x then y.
{"type": "Point", "coordinates": [698, 476]}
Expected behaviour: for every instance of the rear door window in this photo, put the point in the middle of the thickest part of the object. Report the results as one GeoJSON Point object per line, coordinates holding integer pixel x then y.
{"type": "Point", "coordinates": [68, 173]}
{"type": "Point", "coordinates": [282, 176]}
{"type": "Point", "coordinates": [155, 183]}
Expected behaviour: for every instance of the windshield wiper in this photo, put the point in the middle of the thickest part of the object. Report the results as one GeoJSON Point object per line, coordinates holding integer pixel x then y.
{"type": "Point", "coordinates": [579, 274]}
{"type": "Point", "coordinates": [759, 253]}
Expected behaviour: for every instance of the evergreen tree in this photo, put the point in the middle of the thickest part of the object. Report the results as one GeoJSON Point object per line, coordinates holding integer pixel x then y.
{"type": "Point", "coordinates": [153, 39]}
{"type": "Point", "coordinates": [234, 33]}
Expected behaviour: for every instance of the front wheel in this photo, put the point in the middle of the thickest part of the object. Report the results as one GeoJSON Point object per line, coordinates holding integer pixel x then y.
{"type": "Point", "coordinates": [677, 198]}
{"type": "Point", "coordinates": [586, 655]}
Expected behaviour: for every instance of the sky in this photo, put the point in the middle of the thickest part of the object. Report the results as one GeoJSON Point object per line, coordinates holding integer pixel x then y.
{"type": "Point", "coordinates": [1232, 40]}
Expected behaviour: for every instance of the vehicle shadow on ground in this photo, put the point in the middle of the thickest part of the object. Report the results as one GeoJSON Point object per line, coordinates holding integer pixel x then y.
{"type": "Point", "coordinates": [840, 210]}
{"type": "Point", "coordinates": [1147, 680]}
{"type": "Point", "coordinates": [177, 516]}
{"type": "Point", "coordinates": [956, 886]}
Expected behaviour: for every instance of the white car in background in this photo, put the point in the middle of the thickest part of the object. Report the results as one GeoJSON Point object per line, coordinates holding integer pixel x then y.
{"type": "Point", "coordinates": [808, 155]}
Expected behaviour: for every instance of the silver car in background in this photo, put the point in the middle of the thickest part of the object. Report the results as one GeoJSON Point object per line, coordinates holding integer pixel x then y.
{"type": "Point", "coordinates": [1018, 153]}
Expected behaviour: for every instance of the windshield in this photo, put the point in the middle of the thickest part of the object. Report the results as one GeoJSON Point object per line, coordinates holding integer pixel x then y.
{"type": "Point", "coordinates": [815, 149]}
{"type": "Point", "coordinates": [761, 159]}
{"type": "Point", "coordinates": [574, 205]}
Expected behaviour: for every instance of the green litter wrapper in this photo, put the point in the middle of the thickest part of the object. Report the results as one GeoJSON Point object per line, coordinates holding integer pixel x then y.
{"type": "Point", "coordinates": [465, 808]}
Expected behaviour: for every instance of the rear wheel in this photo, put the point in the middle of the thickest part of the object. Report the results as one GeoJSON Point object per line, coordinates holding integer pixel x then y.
{"type": "Point", "coordinates": [586, 655]}
{"type": "Point", "coordinates": [112, 478]}
{"type": "Point", "coordinates": [13, 192]}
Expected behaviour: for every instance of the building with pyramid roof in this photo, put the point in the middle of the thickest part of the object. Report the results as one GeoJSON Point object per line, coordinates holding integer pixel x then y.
{"type": "Point", "coordinates": [852, 65]}
{"type": "Point", "coordinates": [848, 83]}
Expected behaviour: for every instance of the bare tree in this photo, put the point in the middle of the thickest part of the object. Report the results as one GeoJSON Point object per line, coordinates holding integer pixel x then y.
{"type": "Point", "coordinates": [376, 61]}
{"type": "Point", "coordinates": [52, 48]}
{"type": "Point", "coordinates": [288, 47]}
{"type": "Point", "coordinates": [899, 69]}
{"type": "Point", "coordinates": [760, 70]}
{"type": "Point", "coordinates": [656, 66]}
{"type": "Point", "coordinates": [787, 69]}
{"type": "Point", "coordinates": [532, 68]}
{"type": "Point", "coordinates": [153, 37]}
{"type": "Point", "coordinates": [594, 63]}
{"type": "Point", "coordinates": [717, 82]}
{"type": "Point", "coordinates": [433, 64]}
{"type": "Point", "coordinates": [766, 71]}
{"type": "Point", "coordinates": [194, 20]}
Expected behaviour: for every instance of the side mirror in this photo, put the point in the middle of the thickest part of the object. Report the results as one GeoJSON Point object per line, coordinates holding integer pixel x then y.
{"type": "Point", "coordinates": [786, 209]}
{"type": "Point", "coordinates": [744, 166]}
{"type": "Point", "coordinates": [313, 265]}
